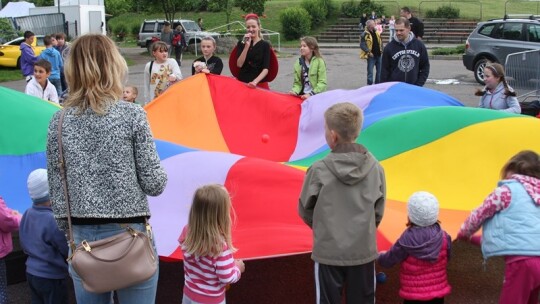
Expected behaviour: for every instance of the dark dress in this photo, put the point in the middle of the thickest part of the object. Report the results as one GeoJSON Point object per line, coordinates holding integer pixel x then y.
{"type": "Point", "coordinates": [213, 64]}
{"type": "Point", "coordinates": [257, 59]}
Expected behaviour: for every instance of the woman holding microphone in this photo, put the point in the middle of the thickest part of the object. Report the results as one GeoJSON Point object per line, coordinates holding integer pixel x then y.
{"type": "Point", "coordinates": [253, 55]}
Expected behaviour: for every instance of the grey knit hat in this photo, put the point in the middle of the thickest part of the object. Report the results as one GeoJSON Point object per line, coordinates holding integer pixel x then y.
{"type": "Point", "coordinates": [38, 186]}
{"type": "Point", "coordinates": [423, 209]}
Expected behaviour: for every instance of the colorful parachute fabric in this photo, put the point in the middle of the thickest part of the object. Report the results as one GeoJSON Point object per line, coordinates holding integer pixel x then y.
{"type": "Point", "coordinates": [24, 122]}
{"type": "Point", "coordinates": [258, 143]}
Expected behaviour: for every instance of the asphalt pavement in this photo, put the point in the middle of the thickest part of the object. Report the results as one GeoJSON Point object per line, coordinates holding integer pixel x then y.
{"type": "Point", "coordinates": [345, 70]}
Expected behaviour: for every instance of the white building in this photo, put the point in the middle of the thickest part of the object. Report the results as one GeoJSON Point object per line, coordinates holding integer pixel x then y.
{"type": "Point", "coordinates": [82, 16]}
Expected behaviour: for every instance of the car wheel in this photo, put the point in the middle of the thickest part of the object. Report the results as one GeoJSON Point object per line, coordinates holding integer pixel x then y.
{"type": "Point", "coordinates": [479, 70]}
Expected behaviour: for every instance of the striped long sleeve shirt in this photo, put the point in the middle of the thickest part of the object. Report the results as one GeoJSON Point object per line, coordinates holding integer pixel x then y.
{"type": "Point", "coordinates": [206, 277]}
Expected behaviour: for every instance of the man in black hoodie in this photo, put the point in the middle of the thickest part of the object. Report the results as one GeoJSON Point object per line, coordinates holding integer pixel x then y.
{"type": "Point", "coordinates": [417, 26]}
{"type": "Point", "coordinates": [405, 58]}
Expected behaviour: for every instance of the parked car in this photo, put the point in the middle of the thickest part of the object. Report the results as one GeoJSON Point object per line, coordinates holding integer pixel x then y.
{"type": "Point", "coordinates": [10, 52]}
{"type": "Point", "coordinates": [152, 29]}
{"type": "Point", "coordinates": [493, 40]}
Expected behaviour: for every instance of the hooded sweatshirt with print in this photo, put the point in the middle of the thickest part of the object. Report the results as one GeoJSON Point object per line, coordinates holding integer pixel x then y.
{"type": "Point", "coordinates": [343, 200]}
{"type": "Point", "coordinates": [405, 61]}
{"type": "Point", "coordinates": [53, 56]}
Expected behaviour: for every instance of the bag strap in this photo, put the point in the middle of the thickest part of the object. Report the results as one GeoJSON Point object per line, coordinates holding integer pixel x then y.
{"type": "Point", "coordinates": [150, 69]}
{"type": "Point", "coordinates": [63, 178]}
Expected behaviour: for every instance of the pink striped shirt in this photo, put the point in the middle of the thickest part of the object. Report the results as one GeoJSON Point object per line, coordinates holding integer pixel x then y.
{"type": "Point", "coordinates": [206, 277]}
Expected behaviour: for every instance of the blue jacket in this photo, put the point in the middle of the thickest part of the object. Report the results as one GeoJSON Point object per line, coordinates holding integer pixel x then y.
{"type": "Point", "coordinates": [498, 100]}
{"type": "Point", "coordinates": [514, 230]}
{"type": "Point", "coordinates": [53, 56]}
{"type": "Point", "coordinates": [28, 58]}
{"type": "Point", "coordinates": [44, 243]}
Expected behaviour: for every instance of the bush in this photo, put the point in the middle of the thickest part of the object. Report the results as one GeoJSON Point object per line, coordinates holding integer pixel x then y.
{"type": "Point", "coordinates": [445, 11]}
{"type": "Point", "coordinates": [355, 10]}
{"type": "Point", "coordinates": [317, 10]}
{"type": "Point", "coordinates": [295, 22]}
{"type": "Point", "coordinates": [7, 32]}
{"type": "Point", "coordinates": [120, 30]}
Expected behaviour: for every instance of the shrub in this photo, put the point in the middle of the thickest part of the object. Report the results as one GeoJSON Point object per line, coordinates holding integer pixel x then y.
{"type": "Point", "coordinates": [354, 9]}
{"type": "Point", "coordinates": [295, 22]}
{"type": "Point", "coordinates": [317, 10]}
{"type": "Point", "coordinates": [445, 11]}
{"type": "Point", "coordinates": [120, 30]}
{"type": "Point", "coordinates": [7, 32]}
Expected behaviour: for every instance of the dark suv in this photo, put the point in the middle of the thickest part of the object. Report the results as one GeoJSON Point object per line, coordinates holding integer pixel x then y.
{"type": "Point", "coordinates": [493, 40]}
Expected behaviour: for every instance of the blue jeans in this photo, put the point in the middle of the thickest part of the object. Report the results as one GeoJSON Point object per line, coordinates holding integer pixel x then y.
{"type": "Point", "coordinates": [57, 84]}
{"type": "Point", "coordinates": [142, 293]}
{"type": "Point", "coordinates": [47, 291]}
{"type": "Point", "coordinates": [374, 61]}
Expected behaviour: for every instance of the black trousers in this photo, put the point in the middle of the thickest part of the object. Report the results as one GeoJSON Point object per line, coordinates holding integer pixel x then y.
{"type": "Point", "coordinates": [358, 282]}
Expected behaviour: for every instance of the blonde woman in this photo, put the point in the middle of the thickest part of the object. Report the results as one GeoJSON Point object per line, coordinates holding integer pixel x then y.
{"type": "Point", "coordinates": [253, 55]}
{"type": "Point", "coordinates": [309, 70]}
{"type": "Point", "coordinates": [111, 159]}
{"type": "Point", "coordinates": [206, 244]}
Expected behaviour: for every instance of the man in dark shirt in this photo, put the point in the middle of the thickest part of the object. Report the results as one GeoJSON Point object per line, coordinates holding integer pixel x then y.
{"type": "Point", "coordinates": [417, 26]}
{"type": "Point", "coordinates": [371, 49]}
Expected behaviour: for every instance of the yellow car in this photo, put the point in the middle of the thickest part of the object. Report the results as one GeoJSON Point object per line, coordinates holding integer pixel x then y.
{"type": "Point", "coordinates": [10, 52]}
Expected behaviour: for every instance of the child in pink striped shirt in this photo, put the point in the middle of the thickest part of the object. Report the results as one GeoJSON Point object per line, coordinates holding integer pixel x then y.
{"type": "Point", "coordinates": [209, 265]}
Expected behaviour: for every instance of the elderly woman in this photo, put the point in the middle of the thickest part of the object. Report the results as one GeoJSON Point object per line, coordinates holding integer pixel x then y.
{"type": "Point", "coordinates": [110, 158]}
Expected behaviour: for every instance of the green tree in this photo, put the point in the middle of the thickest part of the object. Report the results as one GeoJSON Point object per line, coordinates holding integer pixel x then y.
{"type": "Point", "coordinates": [251, 6]}
{"type": "Point", "coordinates": [43, 2]}
{"type": "Point", "coordinates": [227, 6]}
{"type": "Point", "coordinates": [118, 7]}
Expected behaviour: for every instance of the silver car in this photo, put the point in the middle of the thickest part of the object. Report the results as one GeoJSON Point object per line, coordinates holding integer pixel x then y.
{"type": "Point", "coordinates": [151, 29]}
{"type": "Point", "coordinates": [493, 40]}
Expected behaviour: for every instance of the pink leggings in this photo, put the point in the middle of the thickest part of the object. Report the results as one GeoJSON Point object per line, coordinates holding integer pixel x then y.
{"type": "Point", "coordinates": [521, 282]}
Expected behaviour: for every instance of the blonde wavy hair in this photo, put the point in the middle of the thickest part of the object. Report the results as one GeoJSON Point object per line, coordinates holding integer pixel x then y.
{"type": "Point", "coordinates": [210, 222]}
{"type": "Point", "coordinates": [95, 73]}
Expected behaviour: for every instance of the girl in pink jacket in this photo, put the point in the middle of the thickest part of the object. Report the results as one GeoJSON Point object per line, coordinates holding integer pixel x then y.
{"type": "Point", "coordinates": [9, 222]}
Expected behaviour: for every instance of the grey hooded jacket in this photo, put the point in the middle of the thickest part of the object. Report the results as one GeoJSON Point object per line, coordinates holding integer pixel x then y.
{"type": "Point", "coordinates": [342, 200]}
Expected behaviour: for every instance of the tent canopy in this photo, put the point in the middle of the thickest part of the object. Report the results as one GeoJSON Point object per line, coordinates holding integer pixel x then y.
{"type": "Point", "coordinates": [16, 9]}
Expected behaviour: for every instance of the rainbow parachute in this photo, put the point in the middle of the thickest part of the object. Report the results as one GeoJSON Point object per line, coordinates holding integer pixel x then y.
{"type": "Point", "coordinates": [258, 143]}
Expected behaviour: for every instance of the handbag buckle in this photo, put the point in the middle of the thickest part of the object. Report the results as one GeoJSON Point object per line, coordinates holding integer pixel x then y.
{"type": "Point", "coordinates": [132, 231]}
{"type": "Point", "coordinates": [86, 246]}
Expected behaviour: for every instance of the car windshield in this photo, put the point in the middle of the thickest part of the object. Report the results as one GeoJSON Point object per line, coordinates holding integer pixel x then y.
{"type": "Point", "coordinates": [191, 26]}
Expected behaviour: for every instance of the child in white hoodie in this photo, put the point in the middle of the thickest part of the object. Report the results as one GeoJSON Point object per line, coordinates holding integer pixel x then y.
{"type": "Point", "coordinates": [39, 85]}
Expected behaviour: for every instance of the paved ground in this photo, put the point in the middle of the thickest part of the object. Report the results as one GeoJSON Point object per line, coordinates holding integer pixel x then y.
{"type": "Point", "coordinates": [345, 71]}
{"type": "Point", "coordinates": [290, 279]}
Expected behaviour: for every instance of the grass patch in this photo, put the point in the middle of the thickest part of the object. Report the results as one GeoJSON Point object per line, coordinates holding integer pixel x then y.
{"type": "Point", "coordinates": [10, 74]}
{"type": "Point", "coordinates": [458, 50]}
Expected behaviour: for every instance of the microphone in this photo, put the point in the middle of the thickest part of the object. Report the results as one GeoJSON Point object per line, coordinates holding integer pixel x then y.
{"type": "Point", "coordinates": [245, 39]}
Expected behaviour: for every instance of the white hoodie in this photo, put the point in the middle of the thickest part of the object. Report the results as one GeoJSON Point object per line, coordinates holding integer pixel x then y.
{"type": "Point", "coordinates": [34, 88]}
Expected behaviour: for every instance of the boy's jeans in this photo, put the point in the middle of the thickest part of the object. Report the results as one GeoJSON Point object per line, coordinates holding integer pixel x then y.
{"type": "Point", "coordinates": [374, 61]}
{"type": "Point", "coordinates": [57, 84]}
{"type": "Point", "coordinates": [142, 293]}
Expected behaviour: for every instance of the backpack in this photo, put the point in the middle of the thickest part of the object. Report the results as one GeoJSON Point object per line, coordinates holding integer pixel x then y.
{"type": "Point", "coordinates": [176, 39]}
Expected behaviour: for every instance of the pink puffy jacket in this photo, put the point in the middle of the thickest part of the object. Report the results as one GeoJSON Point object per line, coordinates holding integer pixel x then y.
{"type": "Point", "coordinates": [424, 280]}
{"type": "Point", "coordinates": [9, 222]}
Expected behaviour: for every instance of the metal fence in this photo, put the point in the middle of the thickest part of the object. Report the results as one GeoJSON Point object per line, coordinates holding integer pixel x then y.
{"type": "Point", "coordinates": [523, 74]}
{"type": "Point", "coordinates": [44, 24]}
